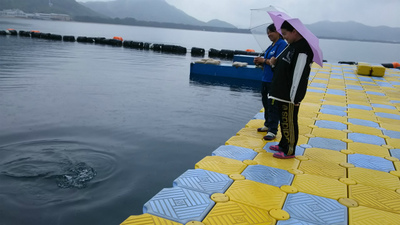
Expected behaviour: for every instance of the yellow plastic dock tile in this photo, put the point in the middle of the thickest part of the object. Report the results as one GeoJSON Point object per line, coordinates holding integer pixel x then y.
{"type": "Point", "coordinates": [246, 142]}
{"type": "Point", "coordinates": [251, 132]}
{"type": "Point", "coordinates": [306, 120]}
{"type": "Point", "coordinates": [256, 123]}
{"type": "Point", "coordinates": [393, 142]}
{"type": "Point", "coordinates": [302, 140]}
{"type": "Point", "coordinates": [325, 155]}
{"type": "Point", "coordinates": [146, 219]}
{"type": "Point", "coordinates": [364, 129]}
{"type": "Point", "coordinates": [329, 133]}
{"type": "Point", "coordinates": [325, 169]}
{"type": "Point", "coordinates": [221, 165]}
{"type": "Point", "coordinates": [374, 197]}
{"type": "Point", "coordinates": [321, 186]}
{"type": "Point", "coordinates": [374, 178]}
{"type": "Point", "coordinates": [256, 194]}
{"type": "Point", "coordinates": [363, 215]}
{"type": "Point", "coordinates": [368, 149]}
{"type": "Point", "coordinates": [361, 114]}
{"type": "Point", "coordinates": [389, 126]}
{"type": "Point", "coordinates": [388, 120]}
{"type": "Point", "coordinates": [232, 213]}
{"type": "Point", "coordinates": [266, 159]}
{"type": "Point", "coordinates": [332, 118]}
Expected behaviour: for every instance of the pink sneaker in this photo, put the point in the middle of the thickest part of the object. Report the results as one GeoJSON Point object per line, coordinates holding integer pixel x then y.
{"type": "Point", "coordinates": [281, 155]}
{"type": "Point", "coordinates": [275, 148]}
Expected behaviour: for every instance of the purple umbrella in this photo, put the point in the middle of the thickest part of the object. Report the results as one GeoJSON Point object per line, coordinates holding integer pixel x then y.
{"type": "Point", "coordinates": [313, 41]}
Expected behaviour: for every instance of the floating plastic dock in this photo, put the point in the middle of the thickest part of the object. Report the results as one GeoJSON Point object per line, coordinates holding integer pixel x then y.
{"type": "Point", "coordinates": [346, 169]}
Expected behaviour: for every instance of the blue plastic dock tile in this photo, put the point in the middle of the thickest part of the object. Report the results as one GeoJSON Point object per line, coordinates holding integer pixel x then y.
{"type": "Point", "coordinates": [395, 101]}
{"type": "Point", "coordinates": [383, 106]}
{"type": "Point", "coordinates": [306, 146]}
{"type": "Point", "coordinates": [319, 78]}
{"type": "Point", "coordinates": [268, 175]}
{"type": "Point", "coordinates": [395, 153]}
{"type": "Point", "coordinates": [395, 83]}
{"type": "Point", "coordinates": [366, 138]}
{"type": "Point", "coordinates": [369, 84]}
{"type": "Point", "coordinates": [384, 84]}
{"type": "Point", "coordinates": [334, 107]}
{"type": "Point", "coordinates": [299, 150]}
{"type": "Point", "coordinates": [259, 116]}
{"type": "Point", "coordinates": [375, 93]}
{"type": "Point", "coordinates": [336, 92]}
{"type": "Point", "coordinates": [319, 85]}
{"type": "Point", "coordinates": [355, 106]}
{"type": "Point", "coordinates": [315, 90]}
{"type": "Point", "coordinates": [205, 181]}
{"type": "Point", "coordinates": [327, 143]}
{"type": "Point", "coordinates": [336, 76]}
{"type": "Point", "coordinates": [392, 134]}
{"type": "Point", "coordinates": [179, 204]}
{"type": "Point", "coordinates": [366, 79]}
{"type": "Point", "coordinates": [388, 115]}
{"type": "Point", "coordinates": [234, 152]}
{"type": "Point", "coordinates": [354, 87]}
{"type": "Point", "coordinates": [363, 122]}
{"type": "Point", "coordinates": [311, 209]}
{"type": "Point", "coordinates": [333, 112]}
{"type": "Point", "coordinates": [370, 162]}
{"type": "Point", "coordinates": [330, 124]}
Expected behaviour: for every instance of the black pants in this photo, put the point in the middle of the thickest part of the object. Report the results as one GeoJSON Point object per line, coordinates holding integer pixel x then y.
{"type": "Point", "coordinates": [271, 112]}
{"type": "Point", "coordinates": [289, 127]}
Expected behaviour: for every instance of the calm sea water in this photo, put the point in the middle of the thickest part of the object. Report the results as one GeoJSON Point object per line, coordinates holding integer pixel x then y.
{"type": "Point", "coordinates": [89, 133]}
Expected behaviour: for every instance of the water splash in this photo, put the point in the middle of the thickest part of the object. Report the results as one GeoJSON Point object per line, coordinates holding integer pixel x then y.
{"type": "Point", "coordinates": [77, 176]}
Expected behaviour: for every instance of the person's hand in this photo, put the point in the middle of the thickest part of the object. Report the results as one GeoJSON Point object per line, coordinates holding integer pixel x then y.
{"type": "Point", "coordinates": [272, 61]}
{"type": "Point", "coordinates": [259, 60]}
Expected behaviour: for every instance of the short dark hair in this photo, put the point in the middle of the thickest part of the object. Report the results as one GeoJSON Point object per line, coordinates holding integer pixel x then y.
{"type": "Point", "coordinates": [287, 26]}
{"type": "Point", "coordinates": [271, 28]}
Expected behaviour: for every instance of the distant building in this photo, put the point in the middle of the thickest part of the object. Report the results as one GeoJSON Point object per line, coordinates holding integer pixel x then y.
{"type": "Point", "coordinates": [41, 16]}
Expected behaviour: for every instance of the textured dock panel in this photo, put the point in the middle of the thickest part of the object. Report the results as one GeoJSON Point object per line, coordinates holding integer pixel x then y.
{"type": "Point", "coordinates": [363, 215]}
{"type": "Point", "coordinates": [266, 159]}
{"type": "Point", "coordinates": [366, 138]}
{"type": "Point", "coordinates": [365, 130]}
{"type": "Point", "coordinates": [394, 142]}
{"type": "Point", "coordinates": [368, 149]}
{"type": "Point", "coordinates": [361, 122]}
{"type": "Point", "coordinates": [395, 153]}
{"type": "Point", "coordinates": [299, 150]}
{"type": "Point", "coordinates": [221, 165]}
{"type": "Point", "coordinates": [147, 219]}
{"type": "Point", "coordinates": [232, 213]}
{"type": "Point", "coordinates": [256, 194]}
{"type": "Point", "coordinates": [374, 178]}
{"type": "Point", "coordinates": [251, 132]}
{"type": "Point", "coordinates": [370, 162]}
{"type": "Point", "coordinates": [392, 134]}
{"type": "Point", "coordinates": [268, 175]}
{"type": "Point", "coordinates": [321, 186]}
{"type": "Point", "coordinates": [377, 198]}
{"type": "Point", "coordinates": [329, 133]}
{"type": "Point", "coordinates": [327, 143]}
{"type": "Point", "coordinates": [326, 169]}
{"type": "Point", "coordinates": [203, 181]}
{"type": "Point", "coordinates": [234, 152]}
{"type": "Point", "coordinates": [246, 142]}
{"type": "Point", "coordinates": [322, 155]}
{"type": "Point", "coordinates": [330, 125]}
{"type": "Point", "coordinates": [311, 209]}
{"type": "Point", "coordinates": [255, 123]}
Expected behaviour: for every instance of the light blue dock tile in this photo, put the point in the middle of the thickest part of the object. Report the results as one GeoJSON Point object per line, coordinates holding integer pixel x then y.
{"type": "Point", "coordinates": [311, 209]}
{"type": "Point", "coordinates": [268, 175]}
{"type": "Point", "coordinates": [395, 153]}
{"type": "Point", "coordinates": [388, 115]}
{"type": "Point", "coordinates": [334, 107]}
{"type": "Point", "coordinates": [234, 152]}
{"type": "Point", "coordinates": [392, 134]}
{"type": "Point", "coordinates": [327, 143]}
{"type": "Point", "coordinates": [336, 77]}
{"type": "Point", "coordinates": [370, 162]}
{"type": "Point", "coordinates": [366, 138]}
{"type": "Point", "coordinates": [383, 106]}
{"type": "Point", "coordinates": [355, 106]}
{"type": "Point", "coordinates": [333, 112]}
{"type": "Point", "coordinates": [205, 181]}
{"type": "Point", "coordinates": [315, 90]}
{"type": "Point", "coordinates": [395, 83]}
{"type": "Point", "coordinates": [336, 92]}
{"type": "Point", "coordinates": [319, 85]}
{"type": "Point", "coordinates": [354, 87]}
{"type": "Point", "coordinates": [319, 78]}
{"type": "Point", "coordinates": [375, 93]}
{"type": "Point", "coordinates": [259, 116]}
{"type": "Point", "coordinates": [369, 84]}
{"type": "Point", "coordinates": [395, 101]}
{"type": "Point", "coordinates": [384, 84]}
{"type": "Point", "coordinates": [330, 124]}
{"type": "Point", "coordinates": [299, 150]}
{"type": "Point", "coordinates": [363, 122]}
{"type": "Point", "coordinates": [179, 204]}
{"type": "Point", "coordinates": [365, 79]}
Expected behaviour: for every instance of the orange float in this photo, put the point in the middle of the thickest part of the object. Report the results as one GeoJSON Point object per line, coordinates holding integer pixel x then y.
{"type": "Point", "coordinates": [118, 38]}
{"type": "Point", "coordinates": [250, 50]}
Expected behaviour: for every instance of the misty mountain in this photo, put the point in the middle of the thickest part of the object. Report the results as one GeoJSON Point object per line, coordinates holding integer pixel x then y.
{"type": "Point", "coordinates": [355, 31]}
{"type": "Point", "coordinates": [70, 7]}
{"type": "Point", "coordinates": [149, 10]}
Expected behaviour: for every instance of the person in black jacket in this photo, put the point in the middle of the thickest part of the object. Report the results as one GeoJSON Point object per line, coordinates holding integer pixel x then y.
{"type": "Point", "coordinates": [289, 85]}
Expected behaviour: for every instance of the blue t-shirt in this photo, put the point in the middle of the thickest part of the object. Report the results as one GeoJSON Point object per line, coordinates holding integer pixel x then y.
{"type": "Point", "coordinates": [272, 51]}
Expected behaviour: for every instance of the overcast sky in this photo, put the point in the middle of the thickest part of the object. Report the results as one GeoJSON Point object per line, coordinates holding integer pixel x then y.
{"type": "Point", "coordinates": [237, 12]}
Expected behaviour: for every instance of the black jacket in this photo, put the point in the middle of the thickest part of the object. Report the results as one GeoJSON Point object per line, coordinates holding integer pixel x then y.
{"type": "Point", "coordinates": [291, 72]}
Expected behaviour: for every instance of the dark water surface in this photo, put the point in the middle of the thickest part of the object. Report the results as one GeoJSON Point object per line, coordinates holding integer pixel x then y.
{"type": "Point", "coordinates": [89, 133]}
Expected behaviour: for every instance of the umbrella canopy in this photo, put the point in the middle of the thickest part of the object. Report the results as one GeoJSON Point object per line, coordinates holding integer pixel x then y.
{"type": "Point", "coordinates": [259, 22]}
{"type": "Point", "coordinates": [313, 41]}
